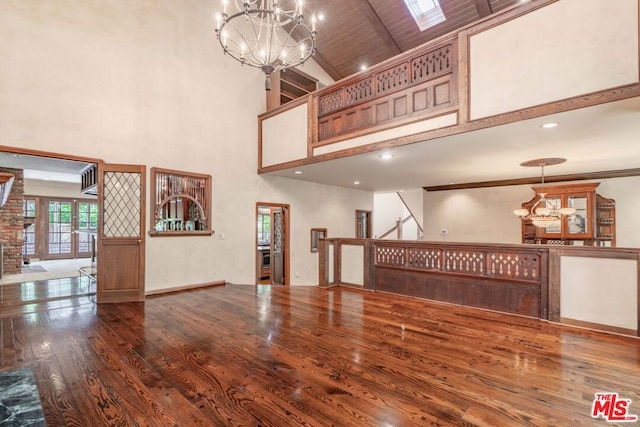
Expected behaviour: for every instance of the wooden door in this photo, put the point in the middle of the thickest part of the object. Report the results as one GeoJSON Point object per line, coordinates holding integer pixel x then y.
{"type": "Point", "coordinates": [279, 245]}
{"type": "Point", "coordinates": [121, 233]}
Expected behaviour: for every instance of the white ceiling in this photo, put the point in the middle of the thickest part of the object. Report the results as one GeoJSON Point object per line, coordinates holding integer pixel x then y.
{"type": "Point", "coordinates": [44, 168]}
{"type": "Point", "coordinates": [600, 138]}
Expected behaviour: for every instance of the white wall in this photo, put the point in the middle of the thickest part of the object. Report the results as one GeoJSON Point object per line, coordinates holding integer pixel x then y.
{"type": "Point", "coordinates": [599, 290]}
{"type": "Point", "coordinates": [279, 146]}
{"type": "Point", "coordinates": [138, 82]}
{"type": "Point", "coordinates": [553, 57]}
{"type": "Point", "coordinates": [413, 199]}
{"type": "Point", "coordinates": [486, 214]}
{"type": "Point", "coordinates": [352, 264]}
{"type": "Point", "coordinates": [476, 215]}
{"type": "Point", "coordinates": [388, 208]}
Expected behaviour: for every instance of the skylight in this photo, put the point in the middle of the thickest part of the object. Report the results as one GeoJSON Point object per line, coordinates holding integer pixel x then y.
{"type": "Point", "coordinates": [426, 13]}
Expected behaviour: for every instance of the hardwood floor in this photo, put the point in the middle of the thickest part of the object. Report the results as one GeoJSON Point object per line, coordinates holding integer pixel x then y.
{"type": "Point", "coordinates": [275, 356]}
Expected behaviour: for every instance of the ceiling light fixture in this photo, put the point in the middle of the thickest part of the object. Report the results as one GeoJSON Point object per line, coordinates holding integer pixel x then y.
{"type": "Point", "coordinates": [298, 172]}
{"type": "Point", "coordinates": [386, 156]}
{"type": "Point", "coordinates": [550, 125]}
{"type": "Point", "coordinates": [543, 213]}
{"type": "Point", "coordinates": [356, 182]}
{"type": "Point", "coordinates": [260, 34]}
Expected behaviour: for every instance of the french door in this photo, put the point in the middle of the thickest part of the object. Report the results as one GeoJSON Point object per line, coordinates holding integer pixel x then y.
{"type": "Point", "coordinates": [69, 224]}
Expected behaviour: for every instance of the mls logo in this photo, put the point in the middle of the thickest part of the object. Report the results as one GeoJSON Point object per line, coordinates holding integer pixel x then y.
{"type": "Point", "coordinates": [612, 408]}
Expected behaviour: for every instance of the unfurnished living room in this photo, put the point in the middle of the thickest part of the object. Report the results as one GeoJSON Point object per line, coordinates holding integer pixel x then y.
{"type": "Point", "coordinates": [319, 213]}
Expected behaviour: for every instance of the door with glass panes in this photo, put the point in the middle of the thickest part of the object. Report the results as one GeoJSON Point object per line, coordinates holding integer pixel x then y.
{"type": "Point", "coordinates": [69, 227]}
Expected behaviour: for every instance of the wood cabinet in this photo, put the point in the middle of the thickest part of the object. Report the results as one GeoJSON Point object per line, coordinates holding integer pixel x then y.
{"type": "Point", "coordinates": [592, 224]}
{"type": "Point", "coordinates": [288, 85]}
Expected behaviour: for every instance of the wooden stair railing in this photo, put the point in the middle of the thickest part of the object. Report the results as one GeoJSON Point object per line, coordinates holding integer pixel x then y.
{"type": "Point", "coordinates": [397, 227]}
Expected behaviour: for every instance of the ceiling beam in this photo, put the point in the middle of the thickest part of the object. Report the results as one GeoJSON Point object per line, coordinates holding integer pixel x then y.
{"type": "Point", "coordinates": [326, 66]}
{"type": "Point", "coordinates": [381, 30]}
{"type": "Point", "coordinates": [317, 57]}
{"type": "Point", "coordinates": [483, 7]}
{"type": "Point", "coordinates": [536, 180]}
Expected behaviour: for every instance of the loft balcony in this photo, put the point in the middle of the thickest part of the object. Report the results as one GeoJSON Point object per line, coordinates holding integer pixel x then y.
{"type": "Point", "coordinates": [471, 94]}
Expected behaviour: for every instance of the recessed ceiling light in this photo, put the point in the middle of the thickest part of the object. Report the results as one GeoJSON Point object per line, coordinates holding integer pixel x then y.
{"type": "Point", "coordinates": [386, 156]}
{"type": "Point", "coordinates": [549, 125]}
{"type": "Point", "coordinates": [356, 182]}
{"type": "Point", "coordinates": [298, 172]}
{"type": "Point", "coordinates": [363, 67]}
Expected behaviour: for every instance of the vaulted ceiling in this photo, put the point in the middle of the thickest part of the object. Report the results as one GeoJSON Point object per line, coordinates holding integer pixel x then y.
{"type": "Point", "coordinates": [366, 32]}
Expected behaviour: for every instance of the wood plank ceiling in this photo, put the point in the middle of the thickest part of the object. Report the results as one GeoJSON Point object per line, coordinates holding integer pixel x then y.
{"type": "Point", "coordinates": [366, 32]}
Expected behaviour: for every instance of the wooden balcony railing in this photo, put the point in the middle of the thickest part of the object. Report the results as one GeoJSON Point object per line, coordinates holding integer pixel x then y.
{"type": "Point", "coordinates": [409, 87]}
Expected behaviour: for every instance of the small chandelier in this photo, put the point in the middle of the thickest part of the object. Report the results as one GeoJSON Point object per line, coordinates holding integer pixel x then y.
{"type": "Point", "coordinates": [260, 34]}
{"type": "Point", "coordinates": [544, 214]}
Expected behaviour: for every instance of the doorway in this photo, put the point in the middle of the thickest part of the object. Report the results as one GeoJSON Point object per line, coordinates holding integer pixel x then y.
{"type": "Point", "coordinates": [120, 214]}
{"type": "Point", "coordinates": [272, 244]}
{"type": "Point", "coordinates": [59, 228]}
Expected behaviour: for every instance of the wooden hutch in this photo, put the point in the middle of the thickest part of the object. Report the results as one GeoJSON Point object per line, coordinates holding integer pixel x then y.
{"type": "Point", "coordinates": [593, 224]}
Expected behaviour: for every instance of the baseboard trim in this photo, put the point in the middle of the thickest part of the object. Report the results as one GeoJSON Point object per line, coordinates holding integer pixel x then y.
{"type": "Point", "coordinates": [186, 288]}
{"type": "Point", "coordinates": [599, 327]}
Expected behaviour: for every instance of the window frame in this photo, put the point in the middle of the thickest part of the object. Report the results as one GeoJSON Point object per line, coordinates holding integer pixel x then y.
{"type": "Point", "coordinates": [426, 19]}
{"type": "Point", "coordinates": [316, 235]}
{"type": "Point", "coordinates": [201, 199]}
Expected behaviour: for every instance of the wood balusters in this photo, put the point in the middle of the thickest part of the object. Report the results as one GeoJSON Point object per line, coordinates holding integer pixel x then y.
{"type": "Point", "coordinates": [508, 278]}
{"type": "Point", "coordinates": [413, 86]}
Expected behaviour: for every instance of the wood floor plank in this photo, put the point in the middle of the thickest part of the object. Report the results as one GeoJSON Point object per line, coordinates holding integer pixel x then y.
{"type": "Point", "coordinates": [8, 348]}
{"type": "Point", "coordinates": [276, 356]}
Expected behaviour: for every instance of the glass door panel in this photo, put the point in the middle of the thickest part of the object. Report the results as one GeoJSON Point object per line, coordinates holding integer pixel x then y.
{"type": "Point", "coordinates": [60, 229]}
{"type": "Point", "coordinates": [577, 223]}
{"type": "Point", "coordinates": [87, 226]}
{"type": "Point", "coordinates": [554, 229]}
{"type": "Point", "coordinates": [29, 236]}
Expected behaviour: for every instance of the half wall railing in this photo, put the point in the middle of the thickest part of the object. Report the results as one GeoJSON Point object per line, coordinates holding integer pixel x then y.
{"type": "Point", "coordinates": [591, 287]}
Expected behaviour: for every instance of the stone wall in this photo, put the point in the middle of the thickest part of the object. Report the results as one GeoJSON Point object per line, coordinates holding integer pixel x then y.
{"type": "Point", "coordinates": [11, 221]}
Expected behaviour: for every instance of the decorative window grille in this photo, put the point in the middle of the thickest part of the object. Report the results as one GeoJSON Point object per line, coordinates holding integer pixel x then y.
{"type": "Point", "coordinates": [182, 203]}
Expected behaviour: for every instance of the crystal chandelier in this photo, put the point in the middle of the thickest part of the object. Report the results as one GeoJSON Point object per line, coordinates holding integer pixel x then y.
{"type": "Point", "coordinates": [543, 213]}
{"type": "Point", "coordinates": [260, 34]}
